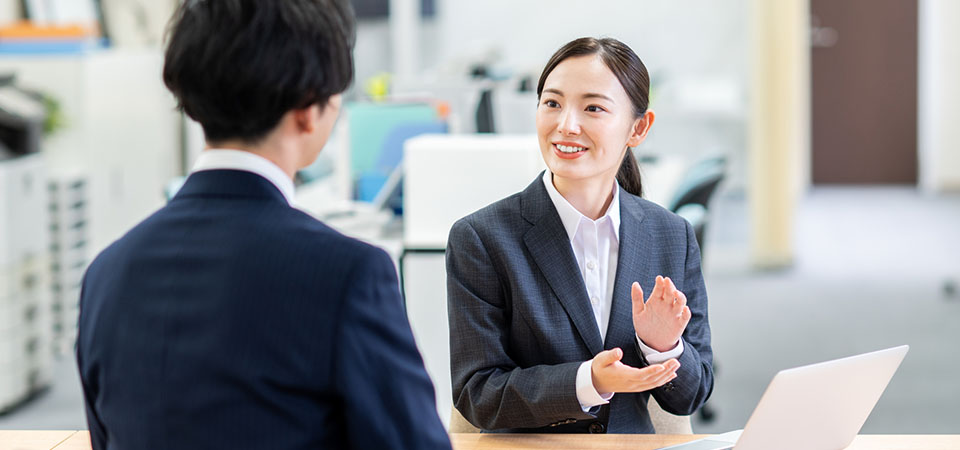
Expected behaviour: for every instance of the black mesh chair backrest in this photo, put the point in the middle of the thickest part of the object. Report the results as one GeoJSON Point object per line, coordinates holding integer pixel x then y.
{"type": "Point", "coordinates": [700, 183]}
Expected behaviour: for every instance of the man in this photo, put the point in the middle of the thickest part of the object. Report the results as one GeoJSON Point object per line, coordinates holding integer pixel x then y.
{"type": "Point", "coordinates": [229, 319]}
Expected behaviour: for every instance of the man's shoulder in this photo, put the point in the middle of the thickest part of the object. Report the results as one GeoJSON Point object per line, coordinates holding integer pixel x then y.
{"type": "Point", "coordinates": [285, 231]}
{"type": "Point", "coordinates": [308, 232]}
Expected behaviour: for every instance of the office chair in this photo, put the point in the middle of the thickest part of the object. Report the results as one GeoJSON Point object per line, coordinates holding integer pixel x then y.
{"type": "Point", "coordinates": [691, 203]}
{"type": "Point", "coordinates": [695, 191]}
{"type": "Point", "coordinates": [484, 117]}
{"type": "Point", "coordinates": [700, 182]}
{"type": "Point", "coordinates": [459, 424]}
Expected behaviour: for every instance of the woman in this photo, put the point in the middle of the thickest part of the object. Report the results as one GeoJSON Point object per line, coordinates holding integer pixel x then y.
{"type": "Point", "coordinates": [549, 329]}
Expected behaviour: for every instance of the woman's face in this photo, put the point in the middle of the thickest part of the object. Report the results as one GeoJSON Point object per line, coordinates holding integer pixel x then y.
{"type": "Point", "coordinates": [585, 120]}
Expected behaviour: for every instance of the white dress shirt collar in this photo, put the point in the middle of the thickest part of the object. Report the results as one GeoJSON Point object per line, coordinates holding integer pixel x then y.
{"type": "Point", "coordinates": [220, 159]}
{"type": "Point", "coordinates": [569, 215]}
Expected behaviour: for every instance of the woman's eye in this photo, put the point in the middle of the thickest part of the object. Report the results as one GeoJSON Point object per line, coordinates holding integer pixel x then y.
{"type": "Point", "coordinates": [551, 104]}
{"type": "Point", "coordinates": [595, 108]}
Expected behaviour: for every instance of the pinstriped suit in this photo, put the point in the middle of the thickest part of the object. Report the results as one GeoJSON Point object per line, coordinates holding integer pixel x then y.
{"type": "Point", "coordinates": [521, 323]}
{"type": "Point", "coordinates": [229, 319]}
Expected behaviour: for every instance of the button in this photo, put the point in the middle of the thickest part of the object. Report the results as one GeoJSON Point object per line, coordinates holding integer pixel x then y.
{"type": "Point", "coordinates": [597, 428]}
{"type": "Point", "coordinates": [591, 265]}
{"type": "Point", "coordinates": [594, 299]}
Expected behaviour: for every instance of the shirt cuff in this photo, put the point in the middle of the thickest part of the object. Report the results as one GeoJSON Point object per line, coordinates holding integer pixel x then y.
{"type": "Point", "coordinates": [586, 393]}
{"type": "Point", "coordinates": [655, 357]}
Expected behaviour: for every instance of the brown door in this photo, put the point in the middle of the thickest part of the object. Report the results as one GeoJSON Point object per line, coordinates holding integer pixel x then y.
{"type": "Point", "coordinates": [864, 105]}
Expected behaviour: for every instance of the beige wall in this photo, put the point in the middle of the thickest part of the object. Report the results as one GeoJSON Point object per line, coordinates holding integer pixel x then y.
{"type": "Point", "coordinates": [779, 129]}
{"type": "Point", "coordinates": [939, 95]}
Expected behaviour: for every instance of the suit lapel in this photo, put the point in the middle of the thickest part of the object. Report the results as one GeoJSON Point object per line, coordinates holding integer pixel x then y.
{"type": "Point", "coordinates": [547, 242]}
{"type": "Point", "coordinates": [632, 265]}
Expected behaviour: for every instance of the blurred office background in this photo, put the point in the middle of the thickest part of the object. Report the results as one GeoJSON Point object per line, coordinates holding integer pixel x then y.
{"type": "Point", "coordinates": [812, 142]}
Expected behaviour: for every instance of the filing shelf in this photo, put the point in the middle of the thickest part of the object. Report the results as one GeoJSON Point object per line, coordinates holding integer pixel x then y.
{"type": "Point", "coordinates": [68, 246]}
{"type": "Point", "coordinates": [25, 286]}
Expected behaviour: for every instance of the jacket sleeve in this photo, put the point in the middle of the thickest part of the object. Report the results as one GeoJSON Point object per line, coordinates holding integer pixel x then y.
{"type": "Point", "coordinates": [388, 398]}
{"type": "Point", "coordinates": [489, 388]}
{"type": "Point", "coordinates": [694, 382]}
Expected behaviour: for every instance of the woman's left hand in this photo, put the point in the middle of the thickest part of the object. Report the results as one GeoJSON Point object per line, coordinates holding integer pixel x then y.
{"type": "Point", "coordinates": [660, 321]}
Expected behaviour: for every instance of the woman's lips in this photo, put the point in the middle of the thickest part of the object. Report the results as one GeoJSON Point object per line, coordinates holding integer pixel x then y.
{"type": "Point", "coordinates": [573, 151]}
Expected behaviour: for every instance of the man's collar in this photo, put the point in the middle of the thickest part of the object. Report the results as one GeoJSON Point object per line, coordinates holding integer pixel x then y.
{"type": "Point", "coordinates": [219, 159]}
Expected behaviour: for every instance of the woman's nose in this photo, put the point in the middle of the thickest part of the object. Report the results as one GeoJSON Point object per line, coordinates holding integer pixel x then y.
{"type": "Point", "coordinates": [569, 123]}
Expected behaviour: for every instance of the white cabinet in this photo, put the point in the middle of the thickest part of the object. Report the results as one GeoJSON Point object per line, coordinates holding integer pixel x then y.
{"type": "Point", "coordinates": [25, 318]}
{"type": "Point", "coordinates": [69, 240]}
{"type": "Point", "coordinates": [121, 129]}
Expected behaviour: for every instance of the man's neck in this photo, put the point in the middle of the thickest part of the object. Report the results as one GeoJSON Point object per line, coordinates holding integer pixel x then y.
{"type": "Point", "coordinates": [280, 155]}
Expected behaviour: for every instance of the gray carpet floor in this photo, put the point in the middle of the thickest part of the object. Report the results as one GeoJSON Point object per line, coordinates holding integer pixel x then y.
{"type": "Point", "coordinates": [869, 272]}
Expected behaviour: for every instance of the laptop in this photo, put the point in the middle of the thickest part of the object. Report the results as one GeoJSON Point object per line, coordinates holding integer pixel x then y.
{"type": "Point", "coordinates": [818, 406]}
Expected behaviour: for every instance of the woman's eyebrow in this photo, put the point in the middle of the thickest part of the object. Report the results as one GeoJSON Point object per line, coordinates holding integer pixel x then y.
{"type": "Point", "coordinates": [587, 95]}
{"type": "Point", "coordinates": [596, 95]}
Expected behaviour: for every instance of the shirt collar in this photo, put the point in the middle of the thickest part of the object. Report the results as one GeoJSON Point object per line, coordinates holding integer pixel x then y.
{"type": "Point", "coordinates": [569, 215]}
{"type": "Point", "coordinates": [219, 159]}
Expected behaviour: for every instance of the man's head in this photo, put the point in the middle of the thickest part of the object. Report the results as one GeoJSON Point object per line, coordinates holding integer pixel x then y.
{"type": "Point", "coordinates": [240, 66]}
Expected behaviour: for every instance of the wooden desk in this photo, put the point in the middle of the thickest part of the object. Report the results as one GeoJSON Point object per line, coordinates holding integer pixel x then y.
{"type": "Point", "coordinates": [80, 440]}
{"type": "Point", "coordinates": [17, 440]}
{"type": "Point", "coordinates": [650, 442]}
{"type": "Point", "coordinates": [478, 441]}
{"type": "Point", "coordinates": [77, 441]}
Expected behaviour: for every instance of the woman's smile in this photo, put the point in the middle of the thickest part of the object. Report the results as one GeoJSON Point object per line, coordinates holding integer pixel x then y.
{"type": "Point", "coordinates": [569, 150]}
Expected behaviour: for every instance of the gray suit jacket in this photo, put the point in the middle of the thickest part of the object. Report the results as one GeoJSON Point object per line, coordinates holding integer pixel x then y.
{"type": "Point", "coordinates": [521, 323]}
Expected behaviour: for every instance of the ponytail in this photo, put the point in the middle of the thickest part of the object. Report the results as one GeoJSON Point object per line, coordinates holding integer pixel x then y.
{"type": "Point", "coordinates": [628, 176]}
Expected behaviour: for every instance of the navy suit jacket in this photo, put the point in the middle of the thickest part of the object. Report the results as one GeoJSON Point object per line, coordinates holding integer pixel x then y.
{"type": "Point", "coordinates": [229, 319]}
{"type": "Point", "coordinates": [521, 323]}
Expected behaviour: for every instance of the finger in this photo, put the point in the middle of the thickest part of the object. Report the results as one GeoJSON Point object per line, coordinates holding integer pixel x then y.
{"type": "Point", "coordinates": [637, 376]}
{"type": "Point", "coordinates": [681, 300]}
{"type": "Point", "coordinates": [664, 377]}
{"type": "Point", "coordinates": [652, 380]}
{"type": "Point", "coordinates": [669, 290]}
{"type": "Point", "coordinates": [607, 357]}
{"type": "Point", "coordinates": [657, 288]}
{"type": "Point", "coordinates": [671, 364]}
{"type": "Point", "coordinates": [650, 377]}
{"type": "Point", "coordinates": [651, 372]}
{"type": "Point", "coordinates": [636, 293]}
{"type": "Point", "coordinates": [685, 315]}
{"type": "Point", "coordinates": [664, 371]}
{"type": "Point", "coordinates": [672, 377]}
{"type": "Point", "coordinates": [672, 286]}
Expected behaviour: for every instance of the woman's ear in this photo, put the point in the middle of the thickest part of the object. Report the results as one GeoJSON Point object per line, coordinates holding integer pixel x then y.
{"type": "Point", "coordinates": [640, 128]}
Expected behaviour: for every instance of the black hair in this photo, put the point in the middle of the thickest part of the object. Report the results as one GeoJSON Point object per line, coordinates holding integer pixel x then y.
{"type": "Point", "coordinates": [633, 76]}
{"type": "Point", "coordinates": [237, 66]}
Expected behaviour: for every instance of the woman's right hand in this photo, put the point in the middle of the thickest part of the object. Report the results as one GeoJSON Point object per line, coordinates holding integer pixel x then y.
{"type": "Point", "coordinates": [610, 375]}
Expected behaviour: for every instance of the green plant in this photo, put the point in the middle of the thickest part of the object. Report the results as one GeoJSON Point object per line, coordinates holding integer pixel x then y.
{"type": "Point", "coordinates": [55, 119]}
